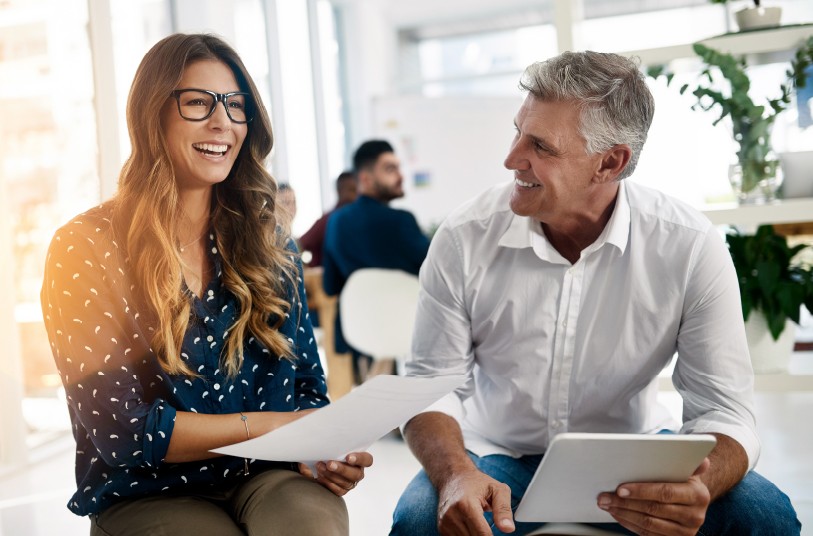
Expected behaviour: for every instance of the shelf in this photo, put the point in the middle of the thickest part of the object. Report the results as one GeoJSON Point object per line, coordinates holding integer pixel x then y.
{"type": "Point", "coordinates": [777, 39]}
{"type": "Point", "coordinates": [798, 378]}
{"type": "Point", "coordinates": [784, 211]}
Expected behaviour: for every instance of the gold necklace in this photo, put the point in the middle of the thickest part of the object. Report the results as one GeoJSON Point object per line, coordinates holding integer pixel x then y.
{"type": "Point", "coordinates": [183, 247]}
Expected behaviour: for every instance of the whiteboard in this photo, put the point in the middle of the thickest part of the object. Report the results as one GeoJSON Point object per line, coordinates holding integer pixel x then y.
{"type": "Point", "coordinates": [451, 148]}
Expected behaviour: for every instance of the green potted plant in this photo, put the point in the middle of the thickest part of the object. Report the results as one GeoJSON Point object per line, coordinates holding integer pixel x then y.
{"type": "Point", "coordinates": [754, 177]}
{"type": "Point", "coordinates": [773, 287]}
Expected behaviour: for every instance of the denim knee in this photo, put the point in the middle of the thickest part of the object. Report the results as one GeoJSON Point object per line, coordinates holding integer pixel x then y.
{"type": "Point", "coordinates": [755, 506]}
{"type": "Point", "coordinates": [416, 511]}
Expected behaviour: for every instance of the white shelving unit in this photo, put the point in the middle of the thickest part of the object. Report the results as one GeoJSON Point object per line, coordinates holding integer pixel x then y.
{"type": "Point", "coordinates": [784, 211]}
{"type": "Point", "coordinates": [798, 378]}
{"type": "Point", "coordinates": [782, 38]}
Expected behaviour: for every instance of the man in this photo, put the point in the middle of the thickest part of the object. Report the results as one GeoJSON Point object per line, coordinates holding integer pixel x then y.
{"type": "Point", "coordinates": [368, 233]}
{"type": "Point", "coordinates": [562, 295]}
{"type": "Point", "coordinates": [314, 238]}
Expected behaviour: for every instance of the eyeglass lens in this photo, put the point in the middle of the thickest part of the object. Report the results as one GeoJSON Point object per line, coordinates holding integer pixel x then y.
{"type": "Point", "coordinates": [198, 105]}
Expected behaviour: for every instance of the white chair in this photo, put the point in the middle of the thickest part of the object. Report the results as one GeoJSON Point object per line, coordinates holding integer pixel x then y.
{"type": "Point", "coordinates": [378, 312]}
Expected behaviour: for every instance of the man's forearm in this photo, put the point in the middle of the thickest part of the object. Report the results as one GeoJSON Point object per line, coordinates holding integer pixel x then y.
{"type": "Point", "coordinates": [437, 442]}
{"type": "Point", "coordinates": [729, 463]}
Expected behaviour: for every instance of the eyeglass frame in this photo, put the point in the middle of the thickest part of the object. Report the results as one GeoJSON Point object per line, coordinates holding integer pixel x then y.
{"type": "Point", "coordinates": [218, 97]}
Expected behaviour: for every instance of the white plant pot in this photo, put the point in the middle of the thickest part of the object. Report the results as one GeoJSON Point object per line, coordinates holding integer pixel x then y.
{"type": "Point", "coordinates": [768, 355]}
{"type": "Point", "coordinates": [752, 18]}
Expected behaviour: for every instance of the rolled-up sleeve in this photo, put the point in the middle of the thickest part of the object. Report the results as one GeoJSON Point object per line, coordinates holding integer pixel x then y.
{"type": "Point", "coordinates": [713, 373]}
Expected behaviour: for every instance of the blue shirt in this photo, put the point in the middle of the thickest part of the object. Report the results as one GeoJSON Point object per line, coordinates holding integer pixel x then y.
{"type": "Point", "coordinates": [122, 405]}
{"type": "Point", "coordinates": [369, 234]}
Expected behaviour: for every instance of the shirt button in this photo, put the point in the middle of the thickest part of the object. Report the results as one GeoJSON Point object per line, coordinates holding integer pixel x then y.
{"type": "Point", "coordinates": [564, 323]}
{"type": "Point", "coordinates": [210, 338]}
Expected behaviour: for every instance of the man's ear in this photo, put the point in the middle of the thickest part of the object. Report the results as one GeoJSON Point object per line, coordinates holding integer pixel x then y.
{"type": "Point", "coordinates": [613, 162]}
{"type": "Point", "coordinates": [365, 179]}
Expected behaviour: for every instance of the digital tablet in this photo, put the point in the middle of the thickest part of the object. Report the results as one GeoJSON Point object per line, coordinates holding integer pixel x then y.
{"type": "Point", "coordinates": [578, 466]}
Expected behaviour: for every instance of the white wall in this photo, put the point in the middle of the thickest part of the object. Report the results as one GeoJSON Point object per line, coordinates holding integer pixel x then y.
{"type": "Point", "coordinates": [371, 30]}
{"type": "Point", "coordinates": [459, 143]}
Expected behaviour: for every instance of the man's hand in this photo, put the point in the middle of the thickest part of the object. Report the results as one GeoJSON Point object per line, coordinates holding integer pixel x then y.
{"type": "Point", "coordinates": [463, 500]}
{"type": "Point", "coordinates": [341, 476]}
{"type": "Point", "coordinates": [652, 509]}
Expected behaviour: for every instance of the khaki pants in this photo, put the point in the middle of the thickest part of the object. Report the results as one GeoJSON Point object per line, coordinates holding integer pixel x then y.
{"type": "Point", "coordinates": [276, 502]}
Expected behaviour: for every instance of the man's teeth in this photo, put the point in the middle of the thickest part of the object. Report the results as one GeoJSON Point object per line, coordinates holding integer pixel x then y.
{"type": "Point", "coordinates": [526, 184]}
{"type": "Point", "coordinates": [210, 148]}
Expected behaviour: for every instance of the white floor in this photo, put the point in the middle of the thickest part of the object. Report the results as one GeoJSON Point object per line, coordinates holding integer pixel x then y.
{"type": "Point", "coordinates": [32, 499]}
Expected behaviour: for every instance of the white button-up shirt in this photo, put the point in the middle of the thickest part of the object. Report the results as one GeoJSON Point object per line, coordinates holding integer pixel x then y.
{"type": "Point", "coordinates": [551, 347]}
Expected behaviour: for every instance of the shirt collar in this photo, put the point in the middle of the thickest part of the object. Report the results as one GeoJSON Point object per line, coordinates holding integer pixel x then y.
{"type": "Point", "coordinates": [524, 232]}
{"type": "Point", "coordinates": [617, 230]}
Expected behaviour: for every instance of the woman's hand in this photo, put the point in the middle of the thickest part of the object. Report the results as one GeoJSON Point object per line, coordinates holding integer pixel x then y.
{"type": "Point", "coordinates": [340, 476]}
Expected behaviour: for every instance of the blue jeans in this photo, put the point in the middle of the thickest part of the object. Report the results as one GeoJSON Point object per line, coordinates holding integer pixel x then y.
{"type": "Point", "coordinates": [753, 507]}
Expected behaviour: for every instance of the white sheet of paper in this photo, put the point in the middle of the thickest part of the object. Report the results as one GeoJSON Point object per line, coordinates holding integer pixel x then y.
{"type": "Point", "coordinates": [351, 424]}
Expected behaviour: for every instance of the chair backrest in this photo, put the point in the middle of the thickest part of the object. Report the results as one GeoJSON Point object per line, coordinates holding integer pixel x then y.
{"type": "Point", "coordinates": [377, 307]}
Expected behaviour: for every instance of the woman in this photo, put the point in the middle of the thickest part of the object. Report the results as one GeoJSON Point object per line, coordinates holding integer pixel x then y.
{"type": "Point", "coordinates": [177, 319]}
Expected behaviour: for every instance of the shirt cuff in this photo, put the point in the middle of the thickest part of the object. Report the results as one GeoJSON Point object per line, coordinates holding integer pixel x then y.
{"type": "Point", "coordinates": [746, 437]}
{"type": "Point", "coordinates": [450, 405]}
{"type": "Point", "coordinates": [157, 433]}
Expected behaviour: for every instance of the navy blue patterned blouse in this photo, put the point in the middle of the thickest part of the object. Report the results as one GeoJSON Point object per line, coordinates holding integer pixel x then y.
{"type": "Point", "coordinates": [122, 404]}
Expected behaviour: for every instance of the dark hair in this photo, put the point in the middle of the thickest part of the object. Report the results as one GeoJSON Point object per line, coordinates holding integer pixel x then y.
{"type": "Point", "coordinates": [368, 152]}
{"type": "Point", "coordinates": [344, 176]}
{"type": "Point", "coordinates": [616, 104]}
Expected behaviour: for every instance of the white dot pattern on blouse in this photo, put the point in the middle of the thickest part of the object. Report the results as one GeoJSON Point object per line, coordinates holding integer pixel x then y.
{"type": "Point", "coordinates": [121, 403]}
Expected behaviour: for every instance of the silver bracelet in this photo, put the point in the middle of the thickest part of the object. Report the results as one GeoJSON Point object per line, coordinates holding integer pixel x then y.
{"type": "Point", "coordinates": [248, 436]}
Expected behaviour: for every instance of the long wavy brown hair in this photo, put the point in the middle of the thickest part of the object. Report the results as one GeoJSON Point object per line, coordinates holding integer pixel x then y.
{"type": "Point", "coordinates": [147, 213]}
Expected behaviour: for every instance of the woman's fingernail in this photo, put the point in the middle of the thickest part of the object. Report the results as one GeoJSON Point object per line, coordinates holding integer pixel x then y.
{"type": "Point", "coordinates": [333, 466]}
{"type": "Point", "coordinates": [623, 492]}
{"type": "Point", "coordinates": [351, 459]}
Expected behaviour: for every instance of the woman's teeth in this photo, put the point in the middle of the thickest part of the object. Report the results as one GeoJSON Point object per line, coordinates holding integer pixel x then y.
{"type": "Point", "coordinates": [210, 148]}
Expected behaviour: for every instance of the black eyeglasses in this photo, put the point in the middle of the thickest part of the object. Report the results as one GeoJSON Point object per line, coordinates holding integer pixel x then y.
{"type": "Point", "coordinates": [199, 104]}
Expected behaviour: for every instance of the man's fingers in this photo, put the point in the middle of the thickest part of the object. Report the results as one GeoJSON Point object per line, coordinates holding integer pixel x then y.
{"type": "Point", "coordinates": [476, 524]}
{"type": "Point", "coordinates": [668, 493]}
{"type": "Point", "coordinates": [640, 523]}
{"type": "Point", "coordinates": [462, 519]}
{"type": "Point", "coordinates": [501, 508]}
{"type": "Point", "coordinates": [703, 467]}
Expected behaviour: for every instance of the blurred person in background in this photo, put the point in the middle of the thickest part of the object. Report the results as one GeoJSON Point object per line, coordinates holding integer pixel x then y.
{"type": "Point", "coordinates": [368, 233]}
{"type": "Point", "coordinates": [286, 205]}
{"type": "Point", "coordinates": [314, 238]}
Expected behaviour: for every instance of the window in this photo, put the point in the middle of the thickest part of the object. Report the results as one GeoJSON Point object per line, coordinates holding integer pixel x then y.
{"type": "Point", "coordinates": [48, 159]}
{"type": "Point", "coordinates": [684, 156]}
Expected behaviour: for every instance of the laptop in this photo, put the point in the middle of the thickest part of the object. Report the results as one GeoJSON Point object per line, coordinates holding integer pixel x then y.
{"type": "Point", "coordinates": [579, 466]}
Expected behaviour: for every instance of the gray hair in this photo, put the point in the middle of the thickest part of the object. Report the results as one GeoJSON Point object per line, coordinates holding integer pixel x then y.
{"type": "Point", "coordinates": [616, 105]}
